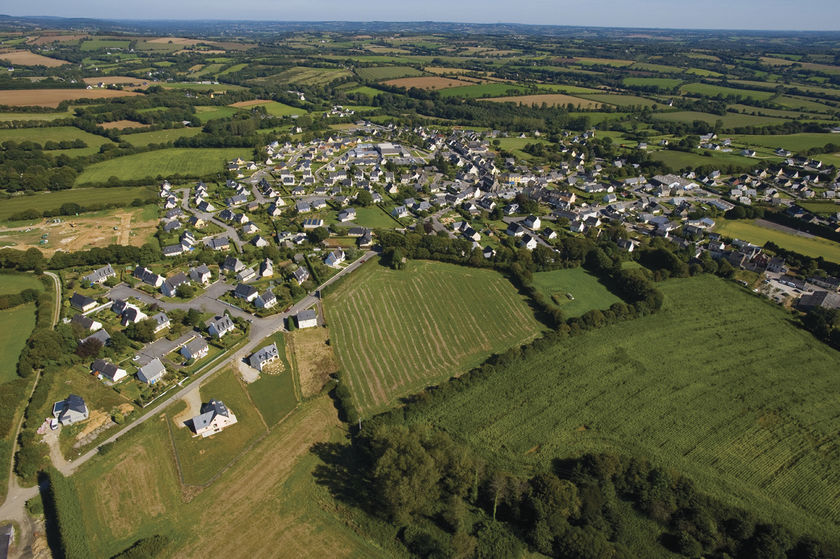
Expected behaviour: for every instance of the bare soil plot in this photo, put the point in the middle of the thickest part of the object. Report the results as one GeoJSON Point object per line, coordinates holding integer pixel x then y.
{"type": "Point", "coordinates": [26, 58]}
{"type": "Point", "coordinates": [315, 358]}
{"type": "Point", "coordinates": [429, 82]}
{"type": "Point", "coordinates": [250, 103]}
{"type": "Point", "coordinates": [176, 41]}
{"type": "Point", "coordinates": [193, 401]}
{"type": "Point", "coordinates": [122, 124]}
{"type": "Point", "coordinates": [117, 80]}
{"type": "Point", "coordinates": [551, 99]}
{"type": "Point", "coordinates": [52, 97]}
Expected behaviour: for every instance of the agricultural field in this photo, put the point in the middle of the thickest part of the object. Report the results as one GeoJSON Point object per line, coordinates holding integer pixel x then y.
{"type": "Point", "coordinates": [792, 142]}
{"type": "Point", "coordinates": [313, 358]}
{"type": "Point", "coordinates": [166, 162]}
{"type": "Point", "coordinates": [142, 139]}
{"type": "Point", "coordinates": [56, 134]}
{"type": "Point", "coordinates": [379, 73]}
{"type": "Point", "coordinates": [729, 120]}
{"type": "Point", "coordinates": [620, 100]}
{"type": "Point", "coordinates": [6, 117]}
{"type": "Point", "coordinates": [101, 44]}
{"type": "Point", "coordinates": [587, 292]}
{"type": "Point", "coordinates": [123, 125]}
{"type": "Point", "coordinates": [718, 385]}
{"type": "Point", "coordinates": [211, 112]}
{"type": "Point", "coordinates": [27, 58]}
{"type": "Point", "coordinates": [398, 331]}
{"type": "Point", "coordinates": [15, 283]}
{"type": "Point", "coordinates": [15, 326]}
{"type": "Point", "coordinates": [52, 97]}
{"type": "Point", "coordinates": [429, 82]}
{"type": "Point", "coordinates": [482, 90]}
{"type": "Point", "coordinates": [588, 61]}
{"type": "Point", "coordinates": [709, 90]}
{"type": "Point", "coordinates": [365, 90]}
{"type": "Point", "coordinates": [271, 107]}
{"type": "Point", "coordinates": [304, 76]}
{"type": "Point", "coordinates": [677, 160]}
{"type": "Point", "coordinates": [760, 231]}
{"type": "Point", "coordinates": [662, 83]}
{"type": "Point", "coordinates": [550, 99]}
{"type": "Point", "coordinates": [134, 491]}
{"type": "Point", "coordinates": [53, 200]}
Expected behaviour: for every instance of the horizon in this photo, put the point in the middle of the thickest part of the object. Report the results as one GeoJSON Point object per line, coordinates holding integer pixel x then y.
{"type": "Point", "coordinates": [748, 15]}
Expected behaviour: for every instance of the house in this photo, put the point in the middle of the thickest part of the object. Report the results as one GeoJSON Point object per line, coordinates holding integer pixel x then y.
{"type": "Point", "coordinates": [532, 222]}
{"type": "Point", "coordinates": [118, 307]}
{"type": "Point", "coordinates": [259, 241]}
{"type": "Point", "coordinates": [819, 299]}
{"type": "Point", "coordinates": [263, 357]}
{"type": "Point", "coordinates": [152, 372]}
{"type": "Point", "coordinates": [515, 230]}
{"type": "Point", "coordinates": [214, 417]}
{"type": "Point", "coordinates": [161, 322]}
{"type": "Point", "coordinates": [265, 300]}
{"type": "Point", "coordinates": [170, 285]}
{"type": "Point", "coordinates": [100, 275]}
{"type": "Point", "coordinates": [70, 411]}
{"type": "Point", "coordinates": [307, 319]}
{"type": "Point", "coordinates": [102, 336]}
{"type": "Point", "coordinates": [335, 258]}
{"type": "Point", "coordinates": [246, 275]}
{"type": "Point", "coordinates": [102, 368]}
{"type": "Point", "coordinates": [132, 315]}
{"type": "Point", "coordinates": [366, 240]}
{"type": "Point", "coordinates": [301, 274]}
{"type": "Point", "coordinates": [88, 324]}
{"type": "Point", "coordinates": [266, 268]}
{"type": "Point", "coordinates": [400, 211]}
{"type": "Point", "coordinates": [82, 302]}
{"type": "Point", "coordinates": [247, 292]}
{"type": "Point", "coordinates": [219, 243]}
{"type": "Point", "coordinates": [147, 276]}
{"type": "Point", "coordinates": [220, 326]}
{"type": "Point", "coordinates": [173, 250]}
{"type": "Point", "coordinates": [201, 274]}
{"type": "Point", "coordinates": [347, 215]}
{"type": "Point", "coordinates": [233, 264]}
{"type": "Point", "coordinates": [529, 242]}
{"type": "Point", "coordinates": [313, 223]}
{"type": "Point", "coordinates": [195, 349]}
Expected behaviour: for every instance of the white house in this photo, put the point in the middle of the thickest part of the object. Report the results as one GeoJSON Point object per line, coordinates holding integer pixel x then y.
{"type": "Point", "coordinates": [100, 275]}
{"type": "Point", "coordinates": [220, 326]}
{"type": "Point", "coordinates": [152, 372]}
{"type": "Point", "coordinates": [307, 318]}
{"type": "Point", "coordinates": [268, 354]}
{"type": "Point", "coordinates": [214, 417]}
{"type": "Point", "coordinates": [102, 368]}
{"type": "Point", "coordinates": [335, 258]}
{"type": "Point", "coordinates": [195, 349]}
{"type": "Point", "coordinates": [72, 410]}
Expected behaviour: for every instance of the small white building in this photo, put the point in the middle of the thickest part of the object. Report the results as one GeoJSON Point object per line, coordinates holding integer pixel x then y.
{"type": "Point", "coordinates": [307, 319]}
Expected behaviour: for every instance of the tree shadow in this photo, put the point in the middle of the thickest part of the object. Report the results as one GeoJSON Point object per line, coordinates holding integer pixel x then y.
{"type": "Point", "coordinates": [51, 527]}
{"type": "Point", "coordinates": [345, 473]}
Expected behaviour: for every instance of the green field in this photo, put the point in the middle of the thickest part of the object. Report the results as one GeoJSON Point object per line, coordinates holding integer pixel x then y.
{"type": "Point", "coordinates": [98, 44]}
{"type": "Point", "coordinates": [663, 83]}
{"type": "Point", "coordinates": [211, 112]}
{"type": "Point", "coordinates": [749, 230]}
{"type": "Point", "coordinates": [166, 162]}
{"type": "Point", "coordinates": [365, 90]}
{"type": "Point", "coordinates": [719, 385]}
{"type": "Point", "coordinates": [82, 196]}
{"type": "Point", "coordinates": [398, 331]}
{"type": "Point", "coordinates": [373, 217]}
{"type": "Point", "coordinates": [677, 160]}
{"type": "Point", "coordinates": [15, 326]}
{"type": "Point", "coordinates": [142, 139]}
{"type": "Point", "coordinates": [15, 283]}
{"type": "Point", "coordinates": [281, 109]}
{"type": "Point", "coordinates": [792, 142]}
{"type": "Point", "coordinates": [304, 76]}
{"type": "Point", "coordinates": [202, 458]}
{"type": "Point", "coordinates": [729, 120]}
{"type": "Point", "coordinates": [587, 291]}
{"type": "Point", "coordinates": [824, 207]}
{"type": "Point", "coordinates": [378, 73]}
{"type": "Point", "coordinates": [274, 394]}
{"type": "Point", "coordinates": [6, 117]}
{"type": "Point", "coordinates": [621, 100]}
{"type": "Point", "coordinates": [482, 90]}
{"type": "Point", "coordinates": [56, 134]}
{"type": "Point", "coordinates": [709, 90]}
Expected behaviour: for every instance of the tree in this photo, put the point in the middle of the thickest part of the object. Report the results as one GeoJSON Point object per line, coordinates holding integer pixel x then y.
{"type": "Point", "coordinates": [193, 317]}
{"type": "Point", "coordinates": [317, 235]}
{"type": "Point", "coordinates": [119, 342]}
{"type": "Point", "coordinates": [143, 331]}
{"type": "Point", "coordinates": [364, 198]}
{"type": "Point", "coordinates": [89, 348]}
{"type": "Point", "coordinates": [185, 291]}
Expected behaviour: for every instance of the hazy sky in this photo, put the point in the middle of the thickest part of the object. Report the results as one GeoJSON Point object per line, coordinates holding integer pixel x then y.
{"type": "Point", "coordinates": [707, 14]}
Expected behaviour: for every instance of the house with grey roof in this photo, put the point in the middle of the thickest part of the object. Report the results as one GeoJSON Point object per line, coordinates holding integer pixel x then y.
{"type": "Point", "coordinates": [102, 336]}
{"type": "Point", "coordinates": [170, 285]}
{"type": "Point", "coordinates": [82, 302]}
{"type": "Point", "coordinates": [214, 417]}
{"type": "Point", "coordinates": [307, 318]}
{"type": "Point", "coordinates": [100, 275]}
{"type": "Point", "coordinates": [268, 354]}
{"type": "Point", "coordinates": [161, 322]}
{"type": "Point", "coordinates": [195, 349]}
{"type": "Point", "coordinates": [220, 326]}
{"type": "Point", "coordinates": [106, 369]}
{"type": "Point", "coordinates": [147, 276]}
{"type": "Point", "coordinates": [132, 315]}
{"type": "Point", "coordinates": [335, 258]}
{"type": "Point", "coordinates": [266, 299]}
{"type": "Point", "coordinates": [151, 372]}
{"type": "Point", "coordinates": [245, 291]}
{"type": "Point", "coordinates": [87, 323]}
{"type": "Point", "coordinates": [201, 274]}
{"type": "Point", "coordinates": [70, 411]}
{"type": "Point", "coordinates": [301, 274]}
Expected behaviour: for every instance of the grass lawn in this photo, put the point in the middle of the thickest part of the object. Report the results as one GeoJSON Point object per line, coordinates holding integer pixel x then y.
{"type": "Point", "coordinates": [365, 90]}
{"type": "Point", "coordinates": [274, 394]}
{"type": "Point", "coordinates": [752, 231]}
{"type": "Point", "coordinates": [54, 200]}
{"type": "Point", "coordinates": [395, 332]}
{"type": "Point", "coordinates": [134, 492]}
{"type": "Point", "coordinates": [15, 283]}
{"type": "Point", "coordinates": [823, 207]}
{"type": "Point", "coordinates": [15, 326]}
{"type": "Point", "coordinates": [587, 291]}
{"type": "Point", "coordinates": [202, 458]}
{"type": "Point", "coordinates": [165, 162]}
{"type": "Point", "coordinates": [374, 218]}
{"type": "Point", "coordinates": [142, 139]}
{"type": "Point", "coordinates": [5, 117]}
{"type": "Point", "coordinates": [719, 385]}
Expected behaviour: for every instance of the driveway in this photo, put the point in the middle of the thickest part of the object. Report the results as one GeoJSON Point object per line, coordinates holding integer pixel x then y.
{"type": "Point", "coordinates": [161, 347]}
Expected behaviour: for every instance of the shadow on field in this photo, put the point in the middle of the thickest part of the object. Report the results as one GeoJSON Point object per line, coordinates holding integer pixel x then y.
{"type": "Point", "coordinates": [345, 473]}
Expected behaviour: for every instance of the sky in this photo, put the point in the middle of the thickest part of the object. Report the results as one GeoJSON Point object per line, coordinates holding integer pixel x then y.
{"type": "Point", "coordinates": [686, 14]}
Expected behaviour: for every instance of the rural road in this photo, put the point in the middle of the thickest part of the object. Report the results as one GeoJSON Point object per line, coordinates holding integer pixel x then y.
{"type": "Point", "coordinates": [257, 335]}
{"type": "Point", "coordinates": [57, 306]}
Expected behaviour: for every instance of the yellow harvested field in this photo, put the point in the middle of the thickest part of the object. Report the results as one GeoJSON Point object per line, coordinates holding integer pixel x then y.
{"type": "Point", "coordinates": [117, 80]}
{"type": "Point", "coordinates": [52, 97]}
{"type": "Point", "coordinates": [444, 70]}
{"type": "Point", "coordinates": [550, 99]}
{"type": "Point", "coordinates": [428, 82]}
{"type": "Point", "coordinates": [26, 58]}
{"type": "Point", "coordinates": [250, 103]}
{"type": "Point", "coordinates": [122, 124]}
{"type": "Point", "coordinates": [314, 357]}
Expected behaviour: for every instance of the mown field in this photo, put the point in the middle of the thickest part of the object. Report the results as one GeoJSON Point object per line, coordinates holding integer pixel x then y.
{"type": "Point", "coordinates": [397, 331]}
{"type": "Point", "coordinates": [792, 142]}
{"type": "Point", "coordinates": [620, 100]}
{"type": "Point", "coordinates": [729, 120]}
{"type": "Point", "coordinates": [54, 200]}
{"type": "Point", "coordinates": [754, 232]}
{"type": "Point", "coordinates": [587, 291]}
{"type": "Point", "coordinates": [142, 139]}
{"type": "Point", "coordinates": [270, 498]}
{"type": "Point", "coordinates": [15, 326]}
{"type": "Point", "coordinates": [271, 107]}
{"type": "Point", "coordinates": [482, 90]}
{"type": "Point", "coordinates": [719, 385]}
{"type": "Point", "coordinates": [710, 90]}
{"type": "Point", "coordinates": [165, 162]}
{"type": "Point", "coordinates": [677, 160]}
{"type": "Point", "coordinates": [549, 99]}
{"type": "Point", "coordinates": [377, 73]}
{"type": "Point", "coordinates": [55, 134]}
{"type": "Point", "coordinates": [52, 97]}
